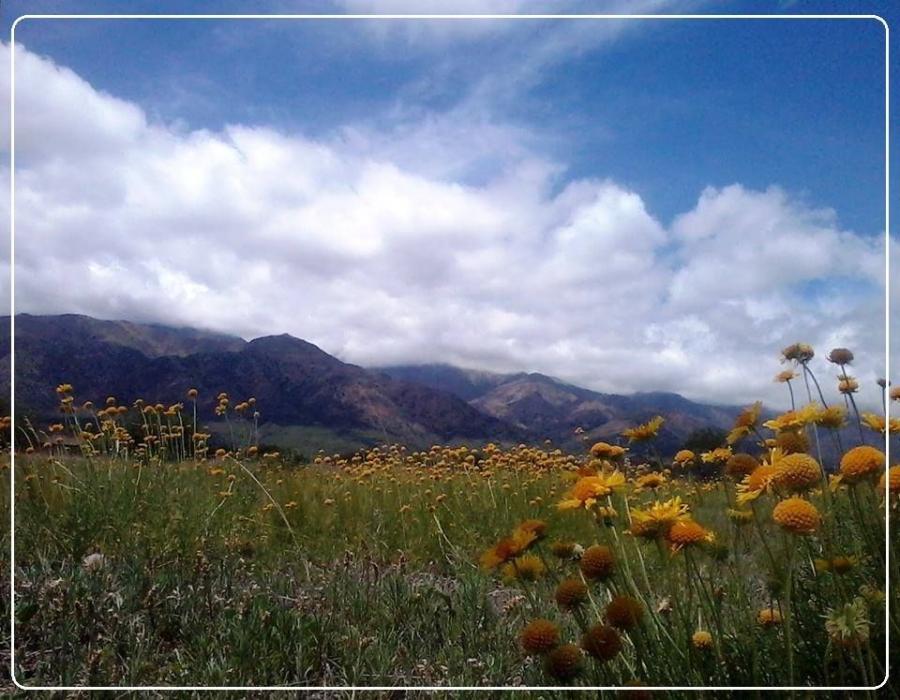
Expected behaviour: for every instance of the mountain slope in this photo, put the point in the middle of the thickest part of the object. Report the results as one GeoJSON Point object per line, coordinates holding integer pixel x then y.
{"type": "Point", "coordinates": [549, 408]}
{"type": "Point", "coordinates": [295, 383]}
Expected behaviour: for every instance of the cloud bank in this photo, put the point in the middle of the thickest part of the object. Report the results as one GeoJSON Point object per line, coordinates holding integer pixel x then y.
{"type": "Point", "coordinates": [379, 246]}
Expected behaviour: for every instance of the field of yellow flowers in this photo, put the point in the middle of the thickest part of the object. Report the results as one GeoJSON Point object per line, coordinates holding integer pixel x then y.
{"type": "Point", "coordinates": [146, 557]}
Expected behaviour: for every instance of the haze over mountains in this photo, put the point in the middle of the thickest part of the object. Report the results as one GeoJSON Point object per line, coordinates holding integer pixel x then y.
{"type": "Point", "coordinates": [308, 399]}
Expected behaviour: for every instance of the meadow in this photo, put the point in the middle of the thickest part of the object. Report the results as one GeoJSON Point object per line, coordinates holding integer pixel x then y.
{"type": "Point", "coordinates": [146, 556]}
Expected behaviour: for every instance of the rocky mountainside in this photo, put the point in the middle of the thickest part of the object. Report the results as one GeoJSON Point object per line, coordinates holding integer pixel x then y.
{"type": "Point", "coordinates": [549, 408]}
{"type": "Point", "coordinates": [295, 383]}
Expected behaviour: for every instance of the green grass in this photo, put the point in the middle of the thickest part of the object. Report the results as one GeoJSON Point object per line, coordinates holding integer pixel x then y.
{"type": "Point", "coordinates": [367, 574]}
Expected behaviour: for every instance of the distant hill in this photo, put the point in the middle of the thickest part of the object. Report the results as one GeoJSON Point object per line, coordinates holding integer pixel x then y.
{"type": "Point", "coordinates": [295, 383]}
{"type": "Point", "coordinates": [550, 408]}
{"type": "Point", "coordinates": [308, 399]}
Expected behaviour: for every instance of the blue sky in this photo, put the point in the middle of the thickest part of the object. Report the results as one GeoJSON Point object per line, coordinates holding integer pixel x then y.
{"type": "Point", "coordinates": [669, 109]}
{"type": "Point", "coordinates": [629, 205]}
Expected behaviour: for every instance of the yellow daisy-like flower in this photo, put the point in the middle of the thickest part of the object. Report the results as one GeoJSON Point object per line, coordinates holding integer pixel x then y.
{"type": "Point", "coordinates": [755, 484]}
{"type": "Point", "coordinates": [768, 617]}
{"type": "Point", "coordinates": [683, 457]}
{"type": "Point", "coordinates": [645, 431]}
{"type": "Point", "coordinates": [597, 562]}
{"type": "Point", "coordinates": [603, 450]}
{"type": "Point", "coordinates": [744, 423]}
{"type": "Point", "coordinates": [893, 480]}
{"type": "Point", "coordinates": [877, 423]}
{"type": "Point", "coordinates": [658, 518]}
{"type": "Point", "coordinates": [702, 640]}
{"type": "Point", "coordinates": [793, 420]}
{"type": "Point", "coordinates": [797, 515]}
{"type": "Point", "coordinates": [539, 636]}
{"type": "Point", "coordinates": [717, 456]}
{"type": "Point", "coordinates": [797, 472]}
{"type": "Point", "coordinates": [833, 417]}
{"type": "Point", "coordinates": [653, 480]}
{"type": "Point", "coordinates": [588, 489]}
{"type": "Point", "coordinates": [860, 463]}
{"type": "Point", "coordinates": [524, 568]}
{"type": "Point", "coordinates": [686, 533]}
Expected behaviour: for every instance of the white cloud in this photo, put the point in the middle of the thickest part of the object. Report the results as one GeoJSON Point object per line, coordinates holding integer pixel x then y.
{"type": "Point", "coordinates": [372, 246]}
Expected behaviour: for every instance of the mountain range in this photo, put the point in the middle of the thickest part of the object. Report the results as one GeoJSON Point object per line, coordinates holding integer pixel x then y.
{"type": "Point", "coordinates": [309, 399]}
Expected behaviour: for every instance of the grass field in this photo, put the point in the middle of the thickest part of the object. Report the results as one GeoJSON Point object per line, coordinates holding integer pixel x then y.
{"type": "Point", "coordinates": [160, 562]}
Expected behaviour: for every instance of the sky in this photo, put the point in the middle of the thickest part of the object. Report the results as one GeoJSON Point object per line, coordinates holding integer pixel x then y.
{"type": "Point", "coordinates": [626, 205]}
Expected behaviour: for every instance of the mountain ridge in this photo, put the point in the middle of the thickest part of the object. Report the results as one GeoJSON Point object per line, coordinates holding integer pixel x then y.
{"type": "Point", "coordinates": [299, 386]}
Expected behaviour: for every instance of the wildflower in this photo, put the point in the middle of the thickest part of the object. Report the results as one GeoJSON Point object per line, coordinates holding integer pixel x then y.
{"type": "Point", "coordinates": [563, 550]}
{"type": "Point", "coordinates": [755, 484]}
{"type": "Point", "coordinates": [848, 625]}
{"type": "Point", "coordinates": [860, 463]}
{"type": "Point", "coordinates": [702, 640]}
{"type": "Point", "coordinates": [624, 612]}
{"type": "Point", "coordinates": [877, 423]}
{"type": "Point", "coordinates": [571, 593]}
{"type": "Point", "coordinates": [687, 532]}
{"type": "Point", "coordinates": [847, 385]}
{"type": "Point", "coordinates": [793, 420]}
{"type": "Point", "coordinates": [797, 515]}
{"type": "Point", "coordinates": [652, 480]}
{"type": "Point", "coordinates": [684, 457]}
{"type": "Point", "coordinates": [588, 489]}
{"type": "Point", "coordinates": [792, 441]}
{"type": "Point", "coordinates": [603, 450]}
{"type": "Point", "coordinates": [785, 376]}
{"type": "Point", "coordinates": [597, 562]}
{"type": "Point", "coordinates": [564, 663]}
{"type": "Point", "coordinates": [602, 642]}
{"type": "Point", "coordinates": [798, 352]}
{"type": "Point", "coordinates": [539, 636]}
{"type": "Point", "coordinates": [893, 480]}
{"type": "Point", "coordinates": [718, 455]}
{"type": "Point", "coordinates": [768, 617]}
{"type": "Point", "coordinates": [840, 356]}
{"type": "Point", "coordinates": [645, 431]}
{"type": "Point", "coordinates": [524, 568]}
{"type": "Point", "coordinates": [657, 519]}
{"type": "Point", "coordinates": [797, 472]}
{"type": "Point", "coordinates": [744, 423]}
{"type": "Point", "coordinates": [526, 534]}
{"type": "Point", "coordinates": [740, 465]}
{"type": "Point", "coordinates": [833, 417]}
{"type": "Point", "coordinates": [895, 393]}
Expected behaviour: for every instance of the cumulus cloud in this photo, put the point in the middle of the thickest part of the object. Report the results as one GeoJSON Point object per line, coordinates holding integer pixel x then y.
{"type": "Point", "coordinates": [368, 244]}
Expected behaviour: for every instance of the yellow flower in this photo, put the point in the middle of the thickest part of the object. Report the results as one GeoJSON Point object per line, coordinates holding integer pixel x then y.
{"type": "Point", "coordinates": [686, 532]}
{"type": "Point", "coordinates": [588, 489]}
{"type": "Point", "coordinates": [718, 455]}
{"type": "Point", "coordinates": [744, 423]}
{"type": "Point", "coordinates": [524, 568]}
{"type": "Point", "coordinates": [603, 450]}
{"type": "Point", "coordinates": [658, 518]}
{"type": "Point", "coordinates": [861, 462]}
{"type": "Point", "coordinates": [684, 456]}
{"type": "Point", "coordinates": [797, 472]}
{"type": "Point", "coordinates": [702, 640]}
{"type": "Point", "coordinates": [645, 431]}
{"type": "Point", "coordinates": [833, 417]}
{"type": "Point", "coordinates": [768, 617]}
{"type": "Point", "coordinates": [652, 480]}
{"type": "Point", "coordinates": [793, 420]}
{"type": "Point", "coordinates": [755, 484]}
{"type": "Point", "coordinates": [877, 423]}
{"type": "Point", "coordinates": [539, 636]}
{"type": "Point", "coordinates": [797, 515]}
